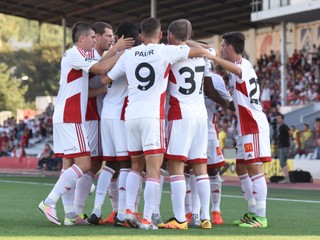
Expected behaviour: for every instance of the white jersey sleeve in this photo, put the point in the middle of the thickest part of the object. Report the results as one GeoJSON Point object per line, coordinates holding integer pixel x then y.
{"type": "Point", "coordinates": [245, 93]}
{"type": "Point", "coordinates": [71, 102]}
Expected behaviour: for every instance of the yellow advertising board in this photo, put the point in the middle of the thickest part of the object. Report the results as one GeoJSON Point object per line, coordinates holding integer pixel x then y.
{"type": "Point", "coordinates": [270, 168]}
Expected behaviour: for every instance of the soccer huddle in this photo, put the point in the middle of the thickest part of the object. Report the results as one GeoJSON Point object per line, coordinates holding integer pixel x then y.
{"type": "Point", "coordinates": [144, 107]}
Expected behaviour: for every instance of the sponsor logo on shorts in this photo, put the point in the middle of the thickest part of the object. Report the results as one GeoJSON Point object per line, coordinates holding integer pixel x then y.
{"type": "Point", "coordinates": [249, 156]}
{"type": "Point", "coordinates": [72, 149]}
{"type": "Point", "coordinates": [218, 151]}
{"type": "Point", "coordinates": [122, 152]}
{"type": "Point", "coordinates": [152, 144]}
{"type": "Point", "coordinates": [248, 147]}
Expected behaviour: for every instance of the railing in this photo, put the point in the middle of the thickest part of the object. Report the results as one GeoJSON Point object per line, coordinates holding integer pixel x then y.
{"type": "Point", "coordinates": [259, 5]}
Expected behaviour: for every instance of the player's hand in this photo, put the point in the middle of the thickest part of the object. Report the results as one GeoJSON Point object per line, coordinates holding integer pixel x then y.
{"type": "Point", "coordinates": [226, 104]}
{"type": "Point", "coordinates": [124, 43]}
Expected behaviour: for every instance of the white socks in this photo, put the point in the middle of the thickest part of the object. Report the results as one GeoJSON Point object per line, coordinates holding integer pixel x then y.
{"type": "Point", "coordinates": [102, 188]}
{"type": "Point", "coordinates": [259, 188]}
{"type": "Point", "coordinates": [215, 186]}
{"type": "Point", "coordinates": [246, 186]}
{"type": "Point", "coordinates": [178, 193]}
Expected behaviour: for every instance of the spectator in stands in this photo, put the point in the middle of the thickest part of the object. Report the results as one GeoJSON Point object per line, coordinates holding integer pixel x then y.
{"type": "Point", "coordinates": [19, 152]}
{"type": "Point", "coordinates": [20, 127]}
{"type": "Point", "coordinates": [295, 143]}
{"type": "Point", "coordinates": [313, 52]}
{"type": "Point", "coordinates": [4, 141]}
{"type": "Point", "coordinates": [317, 129]}
{"type": "Point", "coordinates": [49, 110]}
{"type": "Point", "coordinates": [42, 130]}
{"type": "Point", "coordinates": [283, 141]}
{"type": "Point", "coordinates": [46, 159]}
{"type": "Point", "coordinates": [24, 141]}
{"type": "Point", "coordinates": [306, 139]}
{"type": "Point", "coordinates": [10, 150]}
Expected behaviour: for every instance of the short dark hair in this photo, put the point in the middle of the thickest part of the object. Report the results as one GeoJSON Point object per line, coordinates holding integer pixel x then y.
{"type": "Point", "coordinates": [149, 26]}
{"type": "Point", "coordinates": [190, 32]}
{"type": "Point", "coordinates": [235, 39]}
{"type": "Point", "coordinates": [101, 26]}
{"type": "Point", "coordinates": [179, 29]}
{"type": "Point", "coordinates": [281, 115]}
{"type": "Point", "coordinates": [81, 28]}
{"type": "Point", "coordinates": [129, 29]}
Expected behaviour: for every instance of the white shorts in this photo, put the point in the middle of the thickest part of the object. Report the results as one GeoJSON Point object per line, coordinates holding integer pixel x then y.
{"type": "Point", "coordinates": [187, 140]}
{"type": "Point", "coordinates": [145, 136]}
{"type": "Point", "coordinates": [253, 148]}
{"type": "Point", "coordinates": [114, 144]}
{"type": "Point", "coordinates": [94, 138]}
{"type": "Point", "coordinates": [215, 155]}
{"type": "Point", "coordinates": [70, 140]}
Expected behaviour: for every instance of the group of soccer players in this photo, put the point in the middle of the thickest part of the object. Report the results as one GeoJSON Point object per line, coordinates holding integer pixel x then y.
{"type": "Point", "coordinates": [141, 103]}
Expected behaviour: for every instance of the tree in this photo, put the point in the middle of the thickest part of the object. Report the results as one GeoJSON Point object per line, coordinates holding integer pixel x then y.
{"type": "Point", "coordinates": [11, 91]}
{"type": "Point", "coordinates": [41, 62]}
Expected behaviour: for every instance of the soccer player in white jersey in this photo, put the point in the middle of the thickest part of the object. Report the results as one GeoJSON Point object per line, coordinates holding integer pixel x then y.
{"type": "Point", "coordinates": [70, 136]}
{"type": "Point", "coordinates": [114, 144]}
{"type": "Point", "coordinates": [215, 92]}
{"type": "Point", "coordinates": [146, 68]}
{"type": "Point", "coordinates": [253, 145]}
{"type": "Point", "coordinates": [187, 130]}
{"type": "Point", "coordinates": [104, 41]}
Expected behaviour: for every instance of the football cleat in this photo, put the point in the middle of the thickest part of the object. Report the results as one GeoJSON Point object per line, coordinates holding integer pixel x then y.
{"type": "Point", "coordinates": [195, 221]}
{"type": "Point", "coordinates": [133, 218]}
{"type": "Point", "coordinates": [95, 220]}
{"type": "Point", "coordinates": [49, 212]}
{"type": "Point", "coordinates": [156, 220]}
{"type": "Point", "coordinates": [78, 220]}
{"type": "Point", "coordinates": [110, 218]}
{"type": "Point", "coordinates": [189, 217]}
{"type": "Point", "coordinates": [119, 223]}
{"type": "Point", "coordinates": [255, 222]}
{"type": "Point", "coordinates": [216, 218]}
{"type": "Point", "coordinates": [173, 223]}
{"type": "Point", "coordinates": [246, 217]}
{"type": "Point", "coordinates": [205, 224]}
{"type": "Point", "coordinates": [146, 225]}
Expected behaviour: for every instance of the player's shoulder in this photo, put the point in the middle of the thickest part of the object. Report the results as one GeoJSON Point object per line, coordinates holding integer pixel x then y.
{"type": "Point", "coordinates": [75, 52]}
{"type": "Point", "coordinates": [244, 62]}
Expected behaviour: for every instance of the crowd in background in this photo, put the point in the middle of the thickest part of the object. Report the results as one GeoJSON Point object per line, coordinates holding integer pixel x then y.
{"type": "Point", "coordinates": [16, 136]}
{"type": "Point", "coordinates": [303, 87]}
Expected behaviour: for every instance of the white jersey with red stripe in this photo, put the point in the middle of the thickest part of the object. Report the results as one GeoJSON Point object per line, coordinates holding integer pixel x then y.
{"type": "Point", "coordinates": [245, 93]}
{"type": "Point", "coordinates": [220, 86]}
{"type": "Point", "coordinates": [94, 106]}
{"type": "Point", "coordinates": [186, 89]}
{"type": "Point", "coordinates": [147, 68]}
{"type": "Point", "coordinates": [116, 100]}
{"type": "Point", "coordinates": [72, 99]}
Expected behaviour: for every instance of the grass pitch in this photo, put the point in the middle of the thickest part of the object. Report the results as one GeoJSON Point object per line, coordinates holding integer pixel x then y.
{"type": "Point", "coordinates": [292, 214]}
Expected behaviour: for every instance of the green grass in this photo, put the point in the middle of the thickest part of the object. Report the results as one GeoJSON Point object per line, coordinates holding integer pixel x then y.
{"type": "Point", "coordinates": [287, 219]}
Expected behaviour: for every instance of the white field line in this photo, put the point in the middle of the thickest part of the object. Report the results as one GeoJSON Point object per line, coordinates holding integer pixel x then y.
{"type": "Point", "coordinates": [168, 192]}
